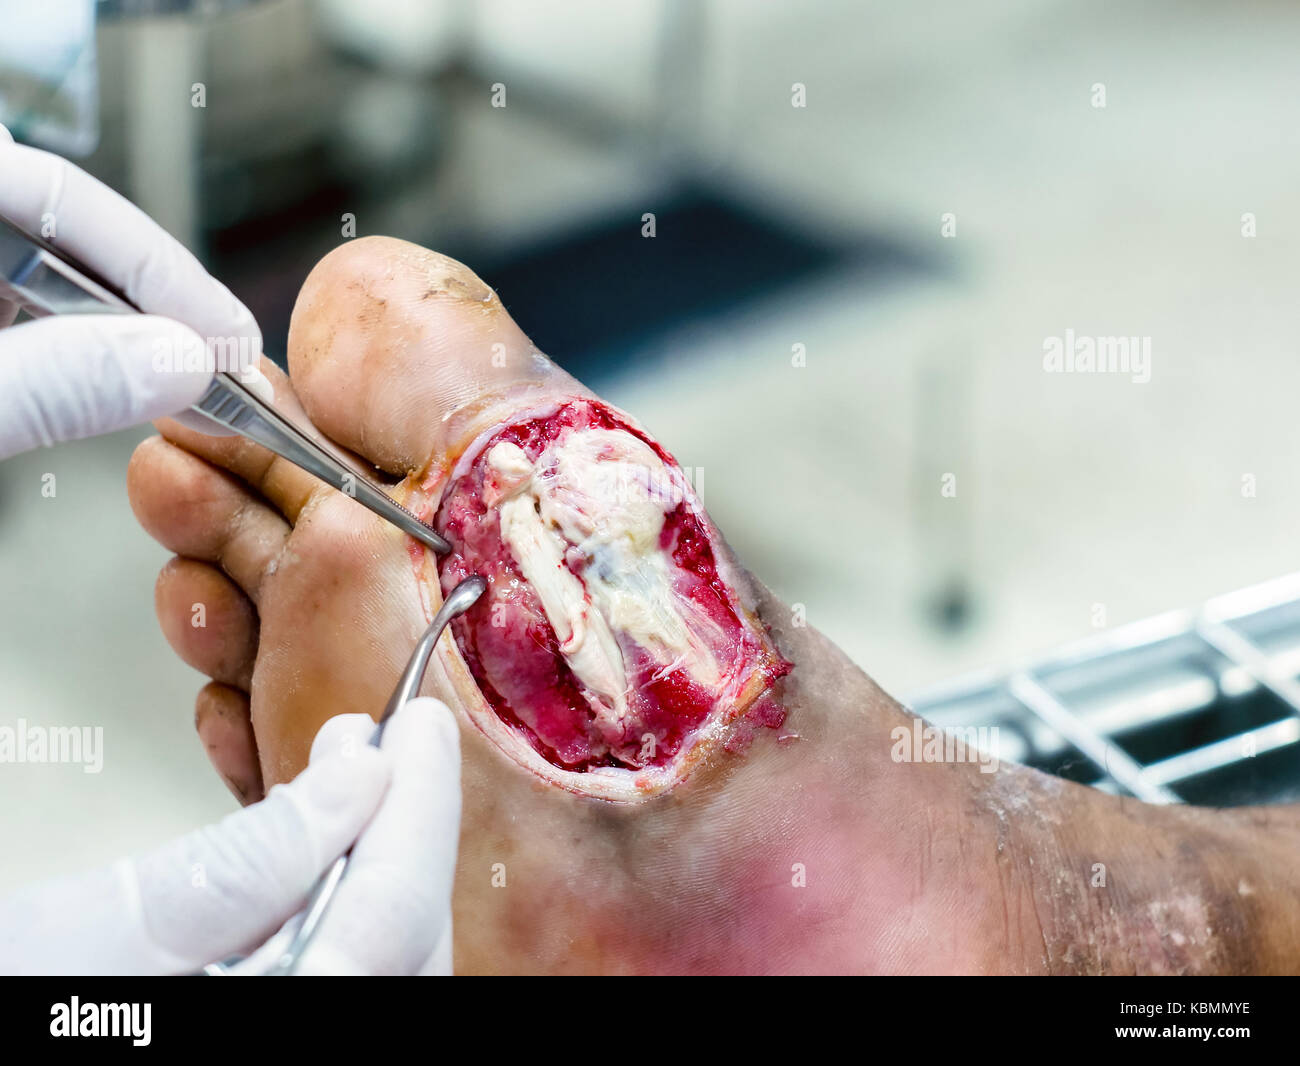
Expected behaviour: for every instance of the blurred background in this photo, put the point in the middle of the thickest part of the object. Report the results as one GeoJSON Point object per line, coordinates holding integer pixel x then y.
{"type": "Point", "coordinates": [868, 217]}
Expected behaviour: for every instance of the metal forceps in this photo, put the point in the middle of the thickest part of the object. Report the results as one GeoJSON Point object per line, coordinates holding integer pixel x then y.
{"type": "Point", "coordinates": [45, 280]}
{"type": "Point", "coordinates": [459, 600]}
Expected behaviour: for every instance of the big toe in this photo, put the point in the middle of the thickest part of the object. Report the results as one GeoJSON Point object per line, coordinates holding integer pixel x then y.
{"type": "Point", "coordinates": [398, 352]}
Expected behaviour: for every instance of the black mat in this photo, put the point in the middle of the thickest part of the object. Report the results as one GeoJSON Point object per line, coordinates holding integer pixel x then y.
{"type": "Point", "coordinates": [592, 296]}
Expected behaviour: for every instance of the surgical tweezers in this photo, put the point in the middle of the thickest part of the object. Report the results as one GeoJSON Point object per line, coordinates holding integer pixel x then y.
{"type": "Point", "coordinates": [45, 280]}
{"type": "Point", "coordinates": [458, 601]}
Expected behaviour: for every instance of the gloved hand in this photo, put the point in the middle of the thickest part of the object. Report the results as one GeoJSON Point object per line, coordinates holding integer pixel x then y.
{"type": "Point", "coordinates": [72, 376]}
{"type": "Point", "coordinates": [223, 890]}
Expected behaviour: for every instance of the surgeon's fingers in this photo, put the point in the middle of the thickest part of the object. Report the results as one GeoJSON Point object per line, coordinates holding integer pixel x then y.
{"type": "Point", "coordinates": [8, 309]}
{"type": "Point", "coordinates": [260, 863]}
{"type": "Point", "coordinates": [225, 728]}
{"type": "Point", "coordinates": [209, 894]}
{"type": "Point", "coordinates": [46, 194]}
{"type": "Point", "coordinates": [392, 913]}
{"type": "Point", "coordinates": [68, 377]}
{"type": "Point", "coordinates": [80, 215]}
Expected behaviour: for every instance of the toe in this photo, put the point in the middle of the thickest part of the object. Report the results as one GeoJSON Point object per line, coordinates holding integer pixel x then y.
{"type": "Point", "coordinates": [201, 512]}
{"type": "Point", "coordinates": [221, 716]}
{"type": "Point", "coordinates": [207, 620]}
{"type": "Point", "coordinates": [388, 341]}
{"type": "Point", "coordinates": [287, 487]}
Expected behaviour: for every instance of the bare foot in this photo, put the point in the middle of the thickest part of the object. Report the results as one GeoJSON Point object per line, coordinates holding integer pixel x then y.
{"type": "Point", "coordinates": [644, 789]}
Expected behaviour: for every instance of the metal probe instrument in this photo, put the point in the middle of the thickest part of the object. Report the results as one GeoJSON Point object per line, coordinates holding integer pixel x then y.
{"type": "Point", "coordinates": [45, 280]}
{"type": "Point", "coordinates": [459, 600]}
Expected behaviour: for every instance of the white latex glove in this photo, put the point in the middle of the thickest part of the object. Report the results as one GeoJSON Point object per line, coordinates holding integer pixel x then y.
{"type": "Point", "coordinates": [223, 890]}
{"type": "Point", "coordinates": [72, 376]}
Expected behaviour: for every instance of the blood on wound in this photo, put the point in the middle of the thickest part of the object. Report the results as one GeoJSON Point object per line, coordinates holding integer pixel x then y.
{"type": "Point", "coordinates": [514, 654]}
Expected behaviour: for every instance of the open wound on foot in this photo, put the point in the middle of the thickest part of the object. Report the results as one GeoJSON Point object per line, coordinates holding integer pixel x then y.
{"type": "Point", "coordinates": [610, 642]}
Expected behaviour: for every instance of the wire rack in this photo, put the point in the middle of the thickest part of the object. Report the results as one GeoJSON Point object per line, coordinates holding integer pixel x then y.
{"type": "Point", "coordinates": [1198, 706]}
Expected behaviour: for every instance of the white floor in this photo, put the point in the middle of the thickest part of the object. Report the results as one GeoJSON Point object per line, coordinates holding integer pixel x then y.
{"type": "Point", "coordinates": [1072, 490]}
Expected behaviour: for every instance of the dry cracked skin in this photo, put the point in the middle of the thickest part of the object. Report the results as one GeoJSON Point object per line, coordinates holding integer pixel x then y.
{"type": "Point", "coordinates": [664, 771]}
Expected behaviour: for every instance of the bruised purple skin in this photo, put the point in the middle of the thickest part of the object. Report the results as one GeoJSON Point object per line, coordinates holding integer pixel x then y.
{"type": "Point", "coordinates": [514, 653]}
